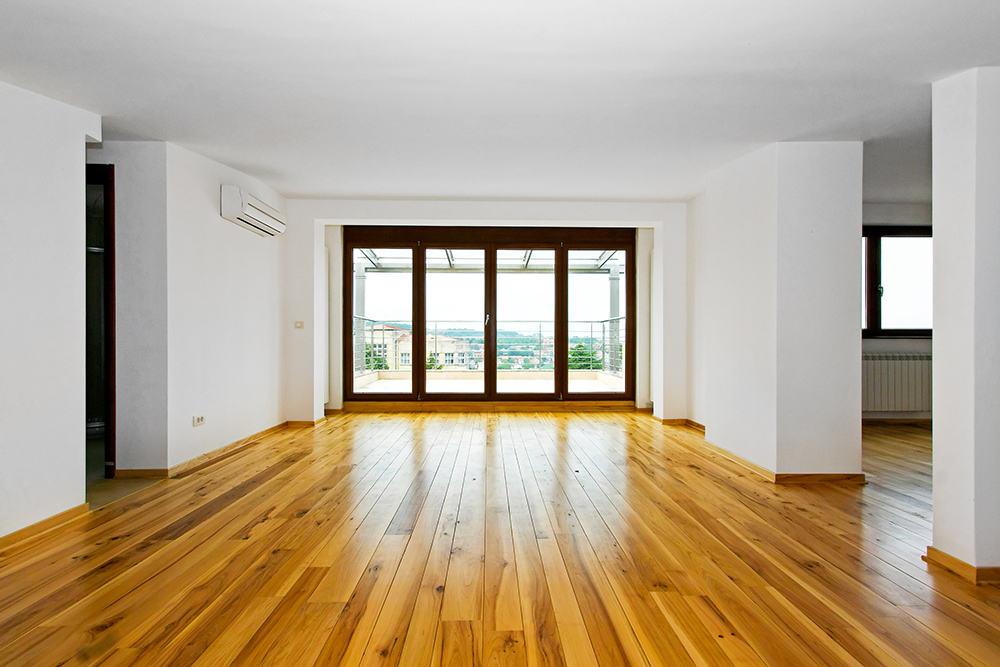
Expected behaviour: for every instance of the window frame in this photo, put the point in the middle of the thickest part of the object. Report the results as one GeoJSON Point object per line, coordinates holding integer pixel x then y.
{"type": "Point", "coordinates": [873, 235]}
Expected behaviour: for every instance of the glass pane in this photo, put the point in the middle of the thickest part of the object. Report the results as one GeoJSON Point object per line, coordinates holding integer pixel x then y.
{"type": "Point", "coordinates": [456, 310]}
{"type": "Point", "coordinates": [526, 308]}
{"type": "Point", "coordinates": [907, 282]}
{"type": "Point", "coordinates": [597, 291]}
{"type": "Point", "coordinates": [383, 320]}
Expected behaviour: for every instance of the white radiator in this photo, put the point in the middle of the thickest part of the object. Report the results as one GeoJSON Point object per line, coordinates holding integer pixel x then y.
{"type": "Point", "coordinates": [895, 382]}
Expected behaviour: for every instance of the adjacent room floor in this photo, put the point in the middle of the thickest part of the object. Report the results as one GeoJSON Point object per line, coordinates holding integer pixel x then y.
{"type": "Point", "coordinates": [506, 538]}
{"type": "Point", "coordinates": [102, 491]}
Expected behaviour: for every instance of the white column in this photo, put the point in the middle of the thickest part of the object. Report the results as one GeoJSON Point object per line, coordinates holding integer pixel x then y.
{"type": "Point", "coordinates": [818, 308]}
{"type": "Point", "coordinates": [778, 276]}
{"type": "Point", "coordinates": [966, 147]}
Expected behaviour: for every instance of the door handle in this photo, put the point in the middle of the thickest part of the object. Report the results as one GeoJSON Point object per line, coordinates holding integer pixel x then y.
{"type": "Point", "coordinates": [487, 323]}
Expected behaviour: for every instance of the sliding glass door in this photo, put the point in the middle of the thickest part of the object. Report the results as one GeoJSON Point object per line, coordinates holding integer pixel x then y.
{"type": "Point", "coordinates": [489, 314]}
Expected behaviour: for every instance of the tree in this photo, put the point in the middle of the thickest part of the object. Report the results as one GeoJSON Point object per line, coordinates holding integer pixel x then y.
{"type": "Point", "coordinates": [583, 358]}
{"type": "Point", "coordinates": [374, 361]}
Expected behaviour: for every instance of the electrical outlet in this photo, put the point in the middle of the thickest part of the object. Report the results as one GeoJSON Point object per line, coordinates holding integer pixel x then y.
{"type": "Point", "coordinates": [198, 420]}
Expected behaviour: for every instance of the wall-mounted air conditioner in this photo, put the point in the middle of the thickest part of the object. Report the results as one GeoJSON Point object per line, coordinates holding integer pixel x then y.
{"type": "Point", "coordinates": [244, 209]}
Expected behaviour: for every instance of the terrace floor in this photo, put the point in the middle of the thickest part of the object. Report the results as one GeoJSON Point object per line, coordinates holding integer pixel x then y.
{"type": "Point", "coordinates": [475, 386]}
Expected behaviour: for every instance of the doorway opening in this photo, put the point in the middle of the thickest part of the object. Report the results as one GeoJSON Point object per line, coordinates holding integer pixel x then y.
{"type": "Point", "coordinates": [100, 344]}
{"type": "Point", "coordinates": [510, 314]}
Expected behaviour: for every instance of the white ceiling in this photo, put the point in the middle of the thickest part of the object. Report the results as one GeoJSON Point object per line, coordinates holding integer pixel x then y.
{"type": "Point", "coordinates": [574, 99]}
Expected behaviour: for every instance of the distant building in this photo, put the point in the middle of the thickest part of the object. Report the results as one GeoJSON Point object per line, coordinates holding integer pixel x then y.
{"type": "Point", "coordinates": [394, 344]}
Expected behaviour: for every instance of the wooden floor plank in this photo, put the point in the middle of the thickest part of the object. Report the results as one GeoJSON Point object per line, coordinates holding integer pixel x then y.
{"type": "Point", "coordinates": [463, 592]}
{"type": "Point", "coordinates": [419, 648]}
{"type": "Point", "coordinates": [385, 645]}
{"type": "Point", "coordinates": [346, 643]}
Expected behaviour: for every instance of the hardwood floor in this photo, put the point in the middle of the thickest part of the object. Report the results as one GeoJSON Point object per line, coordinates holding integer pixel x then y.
{"type": "Point", "coordinates": [499, 539]}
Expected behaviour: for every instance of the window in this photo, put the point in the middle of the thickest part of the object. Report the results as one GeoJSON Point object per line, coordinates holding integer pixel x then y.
{"type": "Point", "coordinates": [480, 313]}
{"type": "Point", "coordinates": [897, 282]}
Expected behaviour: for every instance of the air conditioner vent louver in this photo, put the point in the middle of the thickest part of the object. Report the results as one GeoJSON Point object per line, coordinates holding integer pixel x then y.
{"type": "Point", "coordinates": [247, 211]}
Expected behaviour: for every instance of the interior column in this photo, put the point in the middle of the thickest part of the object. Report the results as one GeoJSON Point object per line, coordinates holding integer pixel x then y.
{"type": "Point", "coordinates": [966, 171]}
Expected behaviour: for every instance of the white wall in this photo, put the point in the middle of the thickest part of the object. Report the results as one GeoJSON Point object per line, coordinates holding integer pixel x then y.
{"type": "Point", "coordinates": [42, 327]}
{"type": "Point", "coordinates": [891, 213]}
{"type": "Point", "coordinates": [224, 312]}
{"type": "Point", "coordinates": [668, 312]}
{"type": "Point", "coordinates": [199, 308]}
{"type": "Point", "coordinates": [140, 300]}
{"type": "Point", "coordinates": [306, 277]}
{"type": "Point", "coordinates": [775, 347]}
{"type": "Point", "coordinates": [697, 321]}
{"type": "Point", "coordinates": [304, 281]}
{"type": "Point", "coordinates": [966, 142]}
{"type": "Point", "coordinates": [643, 288]}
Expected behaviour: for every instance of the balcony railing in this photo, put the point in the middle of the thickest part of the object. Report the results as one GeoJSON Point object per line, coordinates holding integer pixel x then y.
{"type": "Point", "coordinates": [522, 345]}
{"type": "Point", "coordinates": [597, 345]}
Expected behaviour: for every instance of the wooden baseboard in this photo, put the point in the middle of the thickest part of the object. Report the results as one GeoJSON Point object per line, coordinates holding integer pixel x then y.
{"type": "Point", "coordinates": [683, 422]}
{"type": "Point", "coordinates": [43, 526]}
{"type": "Point", "coordinates": [786, 478]}
{"type": "Point", "coordinates": [214, 456]}
{"type": "Point", "coordinates": [141, 473]}
{"type": "Point", "coordinates": [695, 425]}
{"type": "Point", "coordinates": [897, 422]}
{"type": "Point", "coordinates": [488, 406]}
{"type": "Point", "coordinates": [971, 573]}
{"type": "Point", "coordinates": [333, 411]}
{"type": "Point", "coordinates": [820, 478]}
{"type": "Point", "coordinates": [309, 424]}
{"type": "Point", "coordinates": [740, 461]}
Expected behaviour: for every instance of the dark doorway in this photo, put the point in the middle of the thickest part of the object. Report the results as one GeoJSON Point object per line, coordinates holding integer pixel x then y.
{"type": "Point", "coordinates": [100, 321]}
